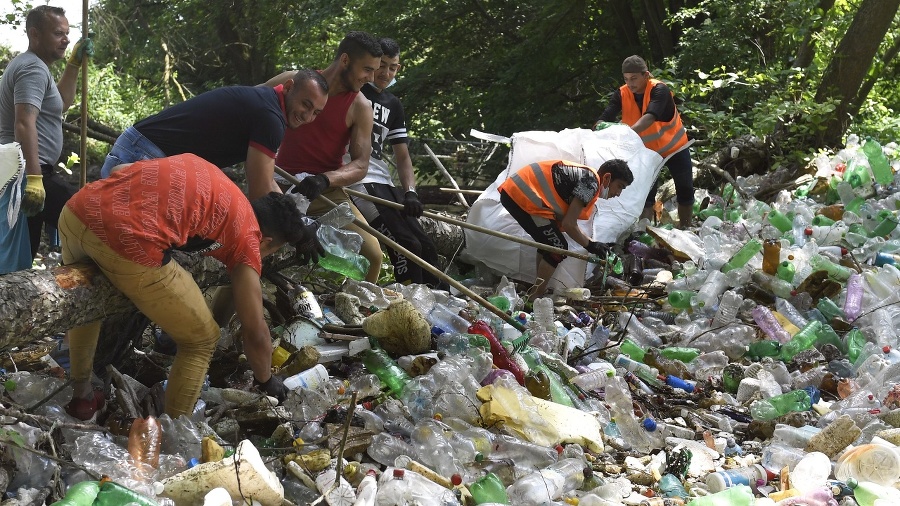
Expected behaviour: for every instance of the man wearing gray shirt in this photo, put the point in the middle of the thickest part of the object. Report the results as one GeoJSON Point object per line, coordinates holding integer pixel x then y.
{"type": "Point", "coordinates": [31, 109]}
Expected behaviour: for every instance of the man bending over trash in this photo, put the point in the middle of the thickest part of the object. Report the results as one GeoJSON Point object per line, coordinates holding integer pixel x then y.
{"type": "Point", "coordinates": [129, 223]}
{"type": "Point", "coordinates": [548, 198]}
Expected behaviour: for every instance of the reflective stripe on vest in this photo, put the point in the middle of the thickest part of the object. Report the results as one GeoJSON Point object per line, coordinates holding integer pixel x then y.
{"type": "Point", "coordinates": [664, 138]}
{"type": "Point", "coordinates": [532, 189]}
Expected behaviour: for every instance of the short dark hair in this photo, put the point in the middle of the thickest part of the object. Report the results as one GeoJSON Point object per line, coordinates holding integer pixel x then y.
{"type": "Point", "coordinates": [358, 44]}
{"type": "Point", "coordinates": [389, 47]}
{"type": "Point", "coordinates": [279, 218]}
{"type": "Point", "coordinates": [37, 17]}
{"type": "Point", "coordinates": [311, 75]}
{"type": "Point", "coordinates": [618, 169]}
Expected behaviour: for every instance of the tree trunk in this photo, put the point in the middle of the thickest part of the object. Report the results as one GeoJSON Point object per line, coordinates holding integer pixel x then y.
{"type": "Point", "coordinates": [851, 61]}
{"type": "Point", "coordinates": [660, 36]}
{"type": "Point", "coordinates": [37, 304]}
{"type": "Point", "coordinates": [807, 49]}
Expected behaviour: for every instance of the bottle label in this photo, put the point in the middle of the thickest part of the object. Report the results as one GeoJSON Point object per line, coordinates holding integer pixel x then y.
{"type": "Point", "coordinates": [308, 306]}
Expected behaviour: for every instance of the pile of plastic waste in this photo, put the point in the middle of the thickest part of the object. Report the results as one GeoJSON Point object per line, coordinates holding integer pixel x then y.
{"type": "Point", "coordinates": [752, 360]}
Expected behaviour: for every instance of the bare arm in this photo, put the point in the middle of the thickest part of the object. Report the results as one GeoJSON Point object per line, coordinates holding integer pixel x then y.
{"type": "Point", "coordinates": [66, 85]}
{"type": "Point", "coordinates": [643, 123]}
{"type": "Point", "coordinates": [569, 223]}
{"type": "Point", "coordinates": [404, 165]}
{"type": "Point", "coordinates": [360, 122]}
{"type": "Point", "coordinates": [255, 332]}
{"type": "Point", "coordinates": [260, 171]}
{"type": "Point", "coordinates": [279, 79]}
{"type": "Point", "coordinates": [26, 135]}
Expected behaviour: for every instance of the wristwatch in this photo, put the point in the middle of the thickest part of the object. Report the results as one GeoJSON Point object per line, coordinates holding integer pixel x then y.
{"type": "Point", "coordinates": [411, 189]}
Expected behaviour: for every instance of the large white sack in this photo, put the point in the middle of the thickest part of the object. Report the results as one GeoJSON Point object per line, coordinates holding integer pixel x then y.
{"type": "Point", "coordinates": [613, 216]}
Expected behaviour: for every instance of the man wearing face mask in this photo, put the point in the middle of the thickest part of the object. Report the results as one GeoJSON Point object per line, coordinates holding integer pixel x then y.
{"type": "Point", "coordinates": [548, 198]}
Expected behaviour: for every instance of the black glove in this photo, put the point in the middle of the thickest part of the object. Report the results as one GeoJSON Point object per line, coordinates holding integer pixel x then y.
{"type": "Point", "coordinates": [309, 249]}
{"type": "Point", "coordinates": [411, 204]}
{"type": "Point", "coordinates": [274, 387]}
{"type": "Point", "coordinates": [313, 186]}
{"type": "Point", "coordinates": [598, 248]}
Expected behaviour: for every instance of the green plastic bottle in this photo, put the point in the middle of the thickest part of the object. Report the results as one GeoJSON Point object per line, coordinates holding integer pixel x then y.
{"type": "Point", "coordinates": [80, 494]}
{"type": "Point", "coordinates": [681, 299]}
{"type": "Point", "coordinates": [786, 271]}
{"type": "Point", "coordinates": [630, 348]}
{"type": "Point", "coordinates": [113, 494]}
{"type": "Point", "coordinates": [765, 348]}
{"type": "Point", "coordinates": [780, 220]}
{"type": "Point", "coordinates": [835, 271]}
{"type": "Point", "coordinates": [681, 353]}
{"type": "Point", "coordinates": [741, 495]}
{"type": "Point", "coordinates": [803, 340]}
{"type": "Point", "coordinates": [885, 227]}
{"type": "Point", "coordinates": [829, 308]}
{"type": "Point", "coordinates": [879, 163]}
{"type": "Point", "coordinates": [671, 486]}
{"type": "Point", "coordinates": [822, 221]}
{"type": "Point", "coordinates": [352, 265]}
{"type": "Point", "coordinates": [379, 363]}
{"type": "Point", "coordinates": [743, 255]}
{"type": "Point", "coordinates": [489, 489]}
{"type": "Point", "coordinates": [780, 405]}
{"type": "Point", "coordinates": [867, 493]}
{"type": "Point", "coordinates": [500, 302]}
{"type": "Point", "coordinates": [855, 341]}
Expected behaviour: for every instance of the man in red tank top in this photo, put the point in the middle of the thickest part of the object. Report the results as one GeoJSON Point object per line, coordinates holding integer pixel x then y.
{"type": "Point", "coordinates": [314, 152]}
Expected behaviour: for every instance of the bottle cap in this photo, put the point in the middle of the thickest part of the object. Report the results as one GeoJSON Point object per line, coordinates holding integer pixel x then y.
{"type": "Point", "coordinates": [649, 424]}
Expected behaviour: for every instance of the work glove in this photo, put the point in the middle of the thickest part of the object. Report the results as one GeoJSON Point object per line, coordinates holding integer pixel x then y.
{"type": "Point", "coordinates": [309, 249]}
{"type": "Point", "coordinates": [600, 125]}
{"type": "Point", "coordinates": [79, 50]}
{"type": "Point", "coordinates": [274, 387]}
{"type": "Point", "coordinates": [411, 204]}
{"type": "Point", "coordinates": [33, 200]}
{"type": "Point", "coordinates": [312, 186]}
{"type": "Point", "coordinates": [598, 248]}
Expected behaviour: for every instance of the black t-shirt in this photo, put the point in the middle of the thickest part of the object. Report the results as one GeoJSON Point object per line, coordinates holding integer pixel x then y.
{"type": "Point", "coordinates": [219, 125]}
{"type": "Point", "coordinates": [574, 182]}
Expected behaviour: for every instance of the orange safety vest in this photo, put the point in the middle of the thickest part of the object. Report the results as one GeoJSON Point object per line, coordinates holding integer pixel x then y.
{"type": "Point", "coordinates": [531, 187]}
{"type": "Point", "coordinates": [664, 138]}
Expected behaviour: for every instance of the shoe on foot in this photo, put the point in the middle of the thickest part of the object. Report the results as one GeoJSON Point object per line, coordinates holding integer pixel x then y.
{"type": "Point", "coordinates": [86, 409]}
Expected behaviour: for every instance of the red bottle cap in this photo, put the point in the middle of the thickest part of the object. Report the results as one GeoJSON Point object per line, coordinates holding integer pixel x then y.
{"type": "Point", "coordinates": [807, 231]}
{"type": "Point", "coordinates": [886, 349]}
{"type": "Point", "coordinates": [398, 473]}
{"type": "Point", "coordinates": [559, 449]}
{"type": "Point", "coordinates": [456, 479]}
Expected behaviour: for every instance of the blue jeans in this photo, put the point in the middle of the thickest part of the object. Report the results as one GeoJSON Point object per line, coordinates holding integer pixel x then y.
{"type": "Point", "coordinates": [130, 147]}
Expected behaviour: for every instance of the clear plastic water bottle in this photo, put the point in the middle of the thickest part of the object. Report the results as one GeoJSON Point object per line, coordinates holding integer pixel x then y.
{"type": "Point", "coordinates": [523, 453]}
{"type": "Point", "coordinates": [712, 288]}
{"type": "Point", "coordinates": [547, 485]}
{"type": "Point", "coordinates": [790, 312]}
{"type": "Point", "coordinates": [729, 305]}
{"type": "Point", "coordinates": [543, 314]}
{"type": "Point", "coordinates": [639, 332]}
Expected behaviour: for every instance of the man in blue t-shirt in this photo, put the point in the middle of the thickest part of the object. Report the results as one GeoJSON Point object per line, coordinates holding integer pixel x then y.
{"type": "Point", "coordinates": [400, 226]}
{"type": "Point", "coordinates": [227, 126]}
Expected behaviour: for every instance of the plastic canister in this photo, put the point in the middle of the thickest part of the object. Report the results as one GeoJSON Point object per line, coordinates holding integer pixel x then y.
{"type": "Point", "coordinates": [310, 378]}
{"type": "Point", "coordinates": [750, 475]}
{"type": "Point", "coordinates": [877, 463]}
{"type": "Point", "coordinates": [577, 293]}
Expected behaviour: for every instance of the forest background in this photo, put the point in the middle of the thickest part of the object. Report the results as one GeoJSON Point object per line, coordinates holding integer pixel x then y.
{"type": "Point", "coordinates": [798, 74]}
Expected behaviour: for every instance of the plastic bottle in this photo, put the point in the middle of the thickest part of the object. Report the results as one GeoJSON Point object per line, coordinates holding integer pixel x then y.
{"type": "Point", "coordinates": [501, 356]}
{"type": "Point", "coordinates": [743, 255]}
{"type": "Point", "coordinates": [543, 314]}
{"type": "Point", "coordinates": [728, 309]}
{"type": "Point", "coordinates": [741, 495]}
{"type": "Point", "coordinates": [547, 485]}
{"type": "Point", "coordinates": [114, 494]}
{"type": "Point", "coordinates": [666, 366]}
{"type": "Point", "coordinates": [432, 449]}
{"type": "Point", "coordinates": [811, 472]}
{"type": "Point", "coordinates": [643, 371]}
{"type": "Point", "coordinates": [342, 252]}
{"type": "Point", "coordinates": [523, 453]}
{"type": "Point", "coordinates": [776, 456]}
{"type": "Point", "coordinates": [336, 489]}
{"type": "Point", "coordinates": [786, 271]}
{"type": "Point", "coordinates": [803, 340]}
{"type": "Point", "coordinates": [379, 363]}
{"type": "Point", "coordinates": [771, 284]}
{"type": "Point", "coordinates": [367, 490]}
{"type": "Point", "coordinates": [405, 487]}
{"type": "Point", "coordinates": [489, 490]}
{"type": "Point", "coordinates": [771, 255]}
{"type": "Point", "coordinates": [867, 493]}
{"type": "Point", "coordinates": [447, 319]}
{"type": "Point", "coordinates": [712, 288]}
{"type": "Point", "coordinates": [621, 409]}
{"type": "Point", "coordinates": [835, 271]}
{"type": "Point", "coordinates": [773, 407]}
{"type": "Point", "coordinates": [779, 220]}
{"type": "Point", "coordinates": [681, 299]}
{"type": "Point", "coordinates": [640, 333]}
{"type": "Point", "coordinates": [671, 486]}
{"type": "Point", "coordinates": [144, 440]}
{"type": "Point", "coordinates": [385, 448]}
{"type": "Point", "coordinates": [750, 476]}
{"type": "Point", "coordinates": [80, 494]}
{"type": "Point", "coordinates": [787, 310]}
{"type": "Point", "coordinates": [854, 299]}
{"type": "Point", "coordinates": [881, 167]}
{"type": "Point", "coordinates": [767, 322]}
